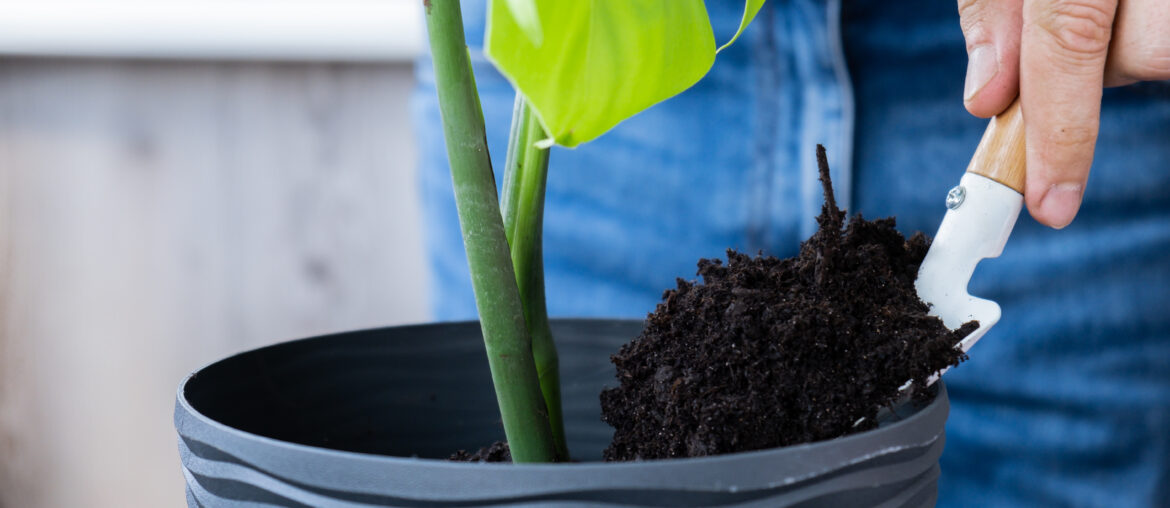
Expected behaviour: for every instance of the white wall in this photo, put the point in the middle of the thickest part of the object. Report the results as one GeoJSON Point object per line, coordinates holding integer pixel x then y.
{"type": "Point", "coordinates": [252, 30]}
{"type": "Point", "coordinates": [156, 216]}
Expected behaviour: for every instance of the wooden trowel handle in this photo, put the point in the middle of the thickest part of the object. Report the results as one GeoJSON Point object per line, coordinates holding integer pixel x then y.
{"type": "Point", "coordinates": [1000, 155]}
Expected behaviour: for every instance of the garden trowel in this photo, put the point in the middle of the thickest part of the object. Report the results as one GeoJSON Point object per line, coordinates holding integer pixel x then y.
{"type": "Point", "coordinates": [981, 212]}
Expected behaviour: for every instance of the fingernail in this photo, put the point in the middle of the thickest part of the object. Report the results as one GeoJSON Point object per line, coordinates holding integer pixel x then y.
{"type": "Point", "coordinates": [1060, 204]}
{"type": "Point", "coordinates": [982, 65]}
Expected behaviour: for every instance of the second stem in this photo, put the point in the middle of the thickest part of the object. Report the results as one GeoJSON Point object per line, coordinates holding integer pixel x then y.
{"type": "Point", "coordinates": [525, 174]}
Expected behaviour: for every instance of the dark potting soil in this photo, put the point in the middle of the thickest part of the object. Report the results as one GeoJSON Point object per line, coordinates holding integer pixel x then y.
{"type": "Point", "coordinates": [496, 452]}
{"type": "Point", "coordinates": [769, 352]}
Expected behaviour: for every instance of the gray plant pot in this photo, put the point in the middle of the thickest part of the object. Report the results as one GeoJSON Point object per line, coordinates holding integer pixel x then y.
{"type": "Point", "coordinates": [361, 419]}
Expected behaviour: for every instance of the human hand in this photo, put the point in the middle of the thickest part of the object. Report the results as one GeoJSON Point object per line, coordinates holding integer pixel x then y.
{"type": "Point", "coordinates": [1057, 55]}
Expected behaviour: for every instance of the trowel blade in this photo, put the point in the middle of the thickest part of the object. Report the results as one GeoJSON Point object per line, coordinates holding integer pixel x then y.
{"type": "Point", "coordinates": [977, 228]}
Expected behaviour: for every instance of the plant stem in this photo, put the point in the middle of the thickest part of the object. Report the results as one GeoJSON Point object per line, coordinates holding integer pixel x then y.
{"type": "Point", "coordinates": [516, 137]}
{"type": "Point", "coordinates": [525, 174]}
{"type": "Point", "coordinates": [506, 338]}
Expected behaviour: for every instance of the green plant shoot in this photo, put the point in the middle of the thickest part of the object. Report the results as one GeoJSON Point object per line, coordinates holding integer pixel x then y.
{"type": "Point", "coordinates": [522, 204]}
{"type": "Point", "coordinates": [580, 68]}
{"type": "Point", "coordinates": [497, 298]}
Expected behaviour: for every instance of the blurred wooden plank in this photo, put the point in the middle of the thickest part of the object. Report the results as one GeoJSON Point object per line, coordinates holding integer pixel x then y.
{"type": "Point", "coordinates": [157, 216]}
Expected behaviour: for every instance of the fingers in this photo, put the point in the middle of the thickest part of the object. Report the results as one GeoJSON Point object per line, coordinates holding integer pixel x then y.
{"type": "Point", "coordinates": [1140, 49]}
{"type": "Point", "coordinates": [992, 32]}
{"type": "Point", "coordinates": [1062, 63]}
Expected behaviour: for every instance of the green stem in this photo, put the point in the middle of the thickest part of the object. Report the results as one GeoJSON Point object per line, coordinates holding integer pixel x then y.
{"type": "Point", "coordinates": [516, 137]}
{"type": "Point", "coordinates": [506, 338]}
{"type": "Point", "coordinates": [525, 175]}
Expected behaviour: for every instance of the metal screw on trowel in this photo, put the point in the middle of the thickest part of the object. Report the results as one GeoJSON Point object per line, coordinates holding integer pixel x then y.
{"type": "Point", "coordinates": [955, 197]}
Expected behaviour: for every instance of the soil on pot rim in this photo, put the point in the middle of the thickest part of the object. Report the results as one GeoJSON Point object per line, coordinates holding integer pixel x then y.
{"type": "Point", "coordinates": [769, 352]}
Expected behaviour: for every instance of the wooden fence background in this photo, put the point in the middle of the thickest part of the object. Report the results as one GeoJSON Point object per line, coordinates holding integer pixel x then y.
{"type": "Point", "coordinates": [155, 216]}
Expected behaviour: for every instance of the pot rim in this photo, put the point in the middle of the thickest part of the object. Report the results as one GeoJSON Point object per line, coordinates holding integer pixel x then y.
{"type": "Point", "coordinates": [184, 411]}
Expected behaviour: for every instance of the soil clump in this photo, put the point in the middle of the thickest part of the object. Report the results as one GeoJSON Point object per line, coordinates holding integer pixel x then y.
{"type": "Point", "coordinates": [495, 452]}
{"type": "Point", "coordinates": [769, 352]}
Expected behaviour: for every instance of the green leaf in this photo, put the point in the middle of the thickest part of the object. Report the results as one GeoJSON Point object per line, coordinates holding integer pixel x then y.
{"type": "Point", "coordinates": [750, 9]}
{"type": "Point", "coordinates": [525, 14]}
{"type": "Point", "coordinates": [587, 65]}
{"type": "Point", "coordinates": [592, 63]}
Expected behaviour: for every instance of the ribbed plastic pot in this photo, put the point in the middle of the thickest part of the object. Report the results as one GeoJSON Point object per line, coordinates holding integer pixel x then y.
{"type": "Point", "coordinates": [365, 418]}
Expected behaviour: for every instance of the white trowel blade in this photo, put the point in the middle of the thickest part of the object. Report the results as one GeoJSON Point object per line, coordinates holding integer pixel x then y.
{"type": "Point", "coordinates": [975, 228]}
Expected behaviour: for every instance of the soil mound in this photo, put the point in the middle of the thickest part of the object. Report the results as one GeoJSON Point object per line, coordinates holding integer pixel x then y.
{"type": "Point", "coordinates": [769, 352]}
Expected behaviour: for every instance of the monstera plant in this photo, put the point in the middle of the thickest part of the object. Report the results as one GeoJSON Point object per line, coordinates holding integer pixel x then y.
{"type": "Point", "coordinates": [579, 69]}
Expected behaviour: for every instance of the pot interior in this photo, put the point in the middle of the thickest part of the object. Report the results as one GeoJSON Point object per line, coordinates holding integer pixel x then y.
{"type": "Point", "coordinates": [422, 391]}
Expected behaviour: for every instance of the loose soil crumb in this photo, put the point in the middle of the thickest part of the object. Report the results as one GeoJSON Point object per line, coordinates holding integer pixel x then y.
{"type": "Point", "coordinates": [496, 452]}
{"type": "Point", "coordinates": [771, 352]}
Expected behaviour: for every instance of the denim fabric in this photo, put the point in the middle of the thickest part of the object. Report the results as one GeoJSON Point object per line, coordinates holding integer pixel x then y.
{"type": "Point", "coordinates": [1065, 402]}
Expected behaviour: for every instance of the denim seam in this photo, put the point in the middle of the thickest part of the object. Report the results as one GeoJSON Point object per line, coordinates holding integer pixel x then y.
{"type": "Point", "coordinates": [764, 169]}
{"type": "Point", "coordinates": [845, 87]}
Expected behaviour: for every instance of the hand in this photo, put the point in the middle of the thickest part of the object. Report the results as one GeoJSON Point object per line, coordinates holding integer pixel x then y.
{"type": "Point", "coordinates": [1057, 55]}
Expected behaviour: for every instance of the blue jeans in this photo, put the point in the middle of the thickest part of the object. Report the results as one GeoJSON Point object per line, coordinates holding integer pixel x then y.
{"type": "Point", "coordinates": [1065, 402]}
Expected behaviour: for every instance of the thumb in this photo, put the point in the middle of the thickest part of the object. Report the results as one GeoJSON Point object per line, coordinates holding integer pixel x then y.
{"type": "Point", "coordinates": [991, 29]}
